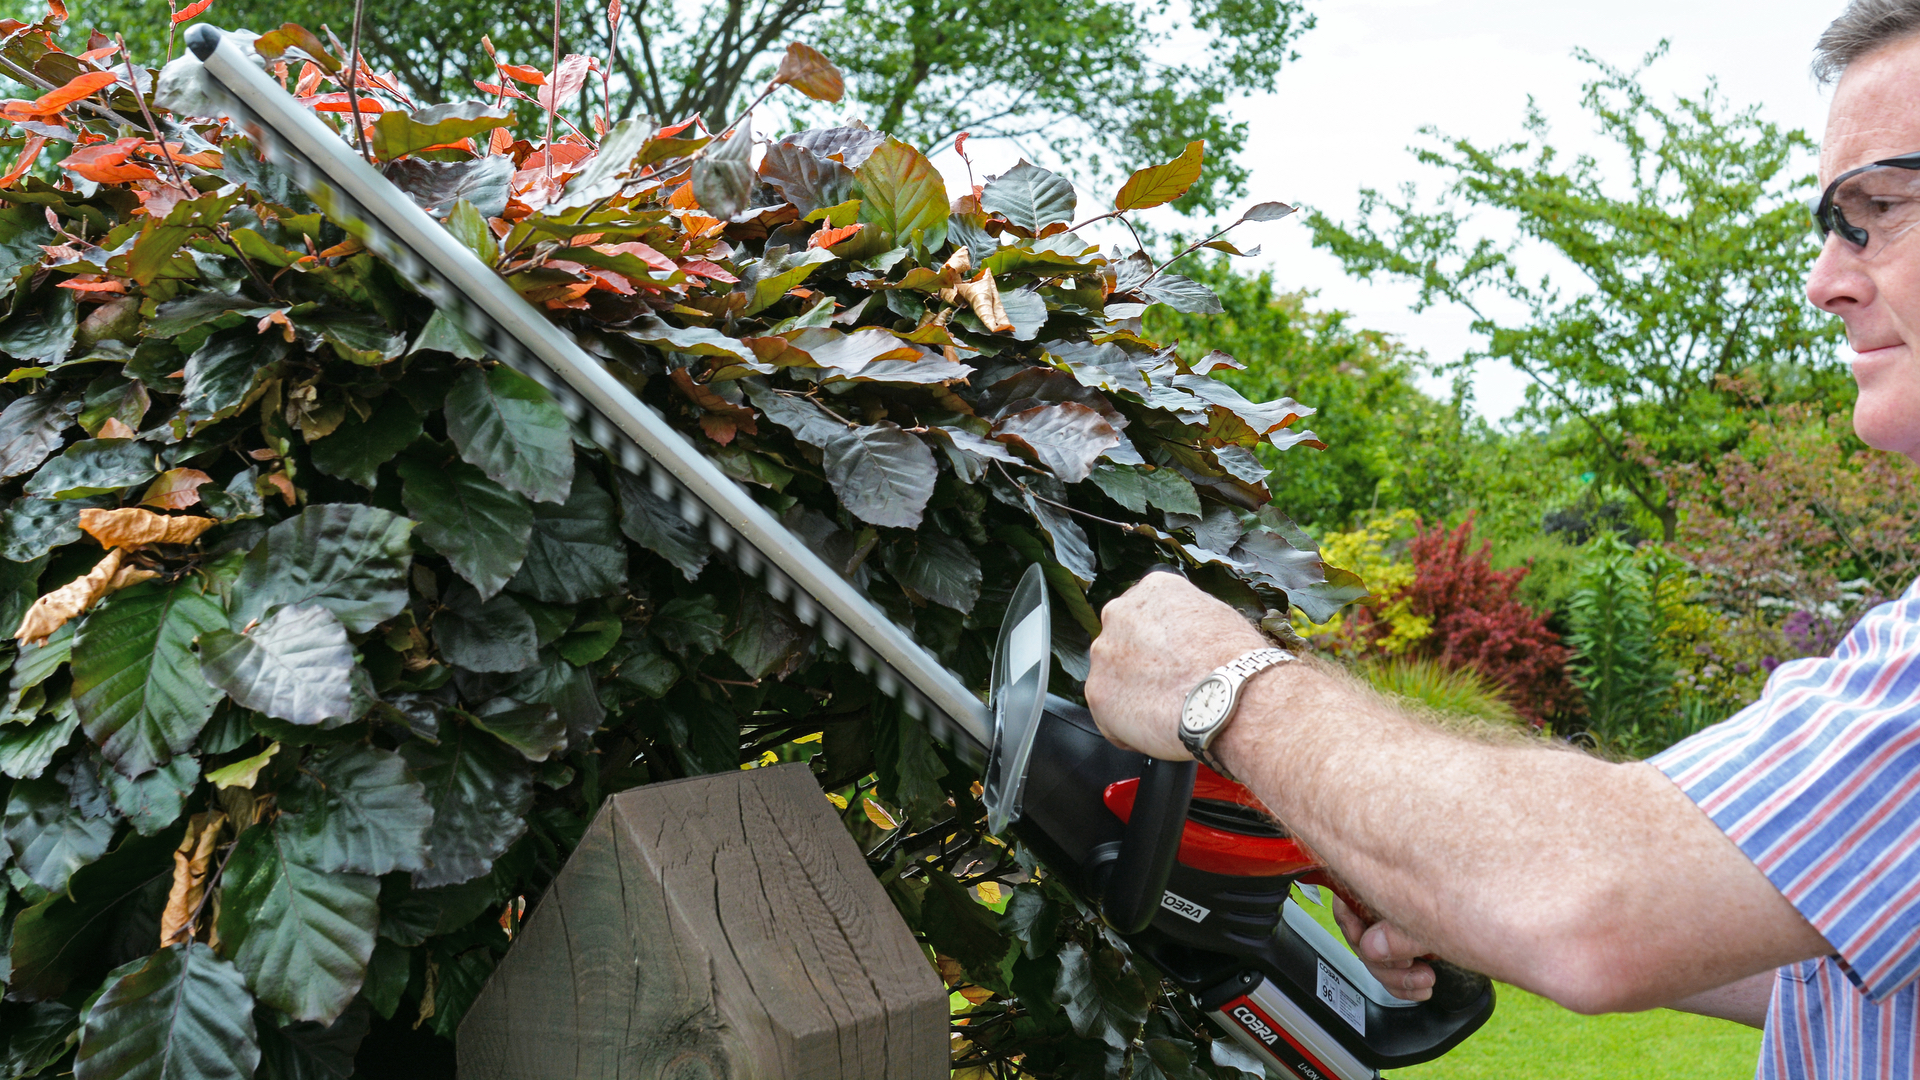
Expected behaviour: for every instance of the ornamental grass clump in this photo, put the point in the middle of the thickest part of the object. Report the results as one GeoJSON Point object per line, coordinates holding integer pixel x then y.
{"type": "Point", "coordinates": [332, 638]}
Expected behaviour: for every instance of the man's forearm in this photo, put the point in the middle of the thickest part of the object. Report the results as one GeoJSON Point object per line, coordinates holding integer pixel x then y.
{"type": "Point", "coordinates": [1744, 1002]}
{"type": "Point", "coordinates": [1596, 884]}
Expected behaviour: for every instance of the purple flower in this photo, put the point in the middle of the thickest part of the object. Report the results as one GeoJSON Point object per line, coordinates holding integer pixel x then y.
{"type": "Point", "coordinates": [1740, 667]}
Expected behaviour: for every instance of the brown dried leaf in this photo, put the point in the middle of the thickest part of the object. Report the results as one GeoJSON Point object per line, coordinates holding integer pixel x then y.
{"type": "Point", "coordinates": [132, 527]}
{"type": "Point", "coordinates": [192, 861]}
{"type": "Point", "coordinates": [806, 70]}
{"type": "Point", "coordinates": [176, 489]}
{"type": "Point", "coordinates": [983, 296]}
{"type": "Point", "coordinates": [51, 612]}
{"type": "Point", "coordinates": [115, 428]}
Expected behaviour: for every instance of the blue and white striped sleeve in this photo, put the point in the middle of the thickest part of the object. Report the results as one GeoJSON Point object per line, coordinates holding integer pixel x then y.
{"type": "Point", "coordinates": [1818, 783]}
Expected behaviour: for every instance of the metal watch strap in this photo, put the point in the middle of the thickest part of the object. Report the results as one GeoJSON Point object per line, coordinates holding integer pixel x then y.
{"type": "Point", "coordinates": [1240, 670]}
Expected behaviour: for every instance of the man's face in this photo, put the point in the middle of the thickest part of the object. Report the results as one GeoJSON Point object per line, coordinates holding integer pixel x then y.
{"type": "Point", "coordinates": [1876, 115]}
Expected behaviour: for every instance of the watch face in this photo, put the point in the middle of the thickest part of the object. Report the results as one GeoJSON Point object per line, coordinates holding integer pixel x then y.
{"type": "Point", "coordinates": [1207, 704]}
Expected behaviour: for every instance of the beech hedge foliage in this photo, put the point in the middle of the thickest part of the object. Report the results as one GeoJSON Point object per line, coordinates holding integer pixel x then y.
{"type": "Point", "coordinates": [332, 638]}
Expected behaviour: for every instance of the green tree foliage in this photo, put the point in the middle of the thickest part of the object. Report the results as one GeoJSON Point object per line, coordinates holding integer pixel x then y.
{"type": "Point", "coordinates": [1612, 615]}
{"type": "Point", "coordinates": [1082, 78]}
{"type": "Point", "coordinates": [376, 634]}
{"type": "Point", "coordinates": [1686, 275]}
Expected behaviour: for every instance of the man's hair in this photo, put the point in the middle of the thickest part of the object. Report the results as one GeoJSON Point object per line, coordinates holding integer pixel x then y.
{"type": "Point", "coordinates": [1863, 28]}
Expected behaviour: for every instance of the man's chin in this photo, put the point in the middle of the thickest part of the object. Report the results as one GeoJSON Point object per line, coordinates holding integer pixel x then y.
{"type": "Point", "coordinates": [1889, 421]}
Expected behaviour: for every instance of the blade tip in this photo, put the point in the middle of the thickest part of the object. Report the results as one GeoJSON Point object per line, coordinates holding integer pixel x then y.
{"type": "Point", "coordinates": [203, 38]}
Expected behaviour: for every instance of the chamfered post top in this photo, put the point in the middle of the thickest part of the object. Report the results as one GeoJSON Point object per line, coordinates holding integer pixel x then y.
{"type": "Point", "coordinates": [203, 38]}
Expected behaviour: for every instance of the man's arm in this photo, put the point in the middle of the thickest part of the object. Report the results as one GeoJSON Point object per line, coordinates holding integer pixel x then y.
{"type": "Point", "coordinates": [1600, 886]}
{"type": "Point", "coordinates": [1744, 1002]}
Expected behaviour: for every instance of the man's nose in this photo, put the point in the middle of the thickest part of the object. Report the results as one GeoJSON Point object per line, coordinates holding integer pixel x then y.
{"type": "Point", "coordinates": [1838, 282]}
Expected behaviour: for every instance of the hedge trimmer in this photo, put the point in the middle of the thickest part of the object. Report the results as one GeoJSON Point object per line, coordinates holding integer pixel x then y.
{"type": "Point", "coordinates": [1195, 877]}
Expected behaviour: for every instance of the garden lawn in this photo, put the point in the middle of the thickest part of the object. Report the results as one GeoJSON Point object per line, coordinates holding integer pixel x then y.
{"type": "Point", "coordinates": [1532, 1037]}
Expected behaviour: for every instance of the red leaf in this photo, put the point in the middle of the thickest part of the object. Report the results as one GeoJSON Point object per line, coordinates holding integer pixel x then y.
{"type": "Point", "coordinates": [519, 73]}
{"type": "Point", "coordinates": [826, 238]}
{"type": "Point", "coordinates": [50, 103]}
{"type": "Point", "coordinates": [57, 10]}
{"type": "Point", "coordinates": [28, 154]}
{"type": "Point", "coordinates": [100, 53]}
{"type": "Point", "coordinates": [498, 89]}
{"type": "Point", "coordinates": [710, 270]}
{"type": "Point", "coordinates": [960, 143]}
{"type": "Point", "coordinates": [645, 254]}
{"type": "Point", "coordinates": [106, 162]}
{"type": "Point", "coordinates": [191, 10]}
{"type": "Point", "coordinates": [338, 103]}
{"type": "Point", "coordinates": [613, 15]}
{"type": "Point", "coordinates": [567, 80]}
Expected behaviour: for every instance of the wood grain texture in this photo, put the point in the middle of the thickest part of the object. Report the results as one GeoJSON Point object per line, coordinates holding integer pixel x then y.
{"type": "Point", "coordinates": [722, 926]}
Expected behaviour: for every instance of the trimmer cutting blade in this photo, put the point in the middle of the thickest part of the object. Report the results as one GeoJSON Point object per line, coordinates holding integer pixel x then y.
{"type": "Point", "coordinates": [1017, 696]}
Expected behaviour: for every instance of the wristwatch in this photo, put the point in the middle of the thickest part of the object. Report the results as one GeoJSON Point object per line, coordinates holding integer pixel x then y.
{"type": "Point", "coordinates": [1210, 705]}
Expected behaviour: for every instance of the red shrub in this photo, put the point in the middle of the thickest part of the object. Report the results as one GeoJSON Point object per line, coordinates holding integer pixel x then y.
{"type": "Point", "coordinates": [1477, 622]}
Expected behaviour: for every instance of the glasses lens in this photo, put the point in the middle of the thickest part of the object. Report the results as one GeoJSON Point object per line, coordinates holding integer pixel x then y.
{"type": "Point", "coordinates": [1875, 208]}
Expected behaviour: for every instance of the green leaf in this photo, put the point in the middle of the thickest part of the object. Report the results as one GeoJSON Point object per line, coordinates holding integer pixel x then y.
{"type": "Point", "coordinates": [397, 132]}
{"type": "Point", "coordinates": [154, 801]}
{"type": "Point", "coordinates": [1157, 184]}
{"type": "Point", "coordinates": [482, 528]}
{"type": "Point", "coordinates": [296, 666]}
{"type": "Point", "coordinates": [1070, 547]}
{"type": "Point", "coordinates": [226, 372]}
{"type": "Point", "coordinates": [387, 976]}
{"type": "Point", "coordinates": [480, 792]}
{"type": "Point", "coordinates": [95, 467]}
{"type": "Point", "coordinates": [1124, 484]}
{"type": "Point", "coordinates": [485, 635]}
{"type": "Point", "coordinates": [576, 552]}
{"type": "Point", "coordinates": [347, 558]}
{"type": "Point", "coordinates": [35, 664]}
{"type": "Point", "coordinates": [640, 663]}
{"type": "Point", "coordinates": [445, 334]}
{"type": "Point", "coordinates": [357, 448]}
{"type": "Point", "coordinates": [1168, 490]}
{"type": "Point", "coordinates": [1030, 197]}
{"type": "Point", "coordinates": [19, 588]}
{"type": "Point", "coordinates": [32, 527]}
{"type": "Point", "coordinates": [42, 336]}
{"type": "Point", "coordinates": [470, 228]}
{"type": "Point", "coordinates": [30, 431]}
{"type": "Point", "coordinates": [67, 938]}
{"type": "Point", "coordinates": [136, 682]}
{"type": "Point", "coordinates": [902, 201]}
{"type": "Point", "coordinates": [362, 338]}
{"type": "Point", "coordinates": [513, 430]}
{"type": "Point", "coordinates": [1104, 997]}
{"type": "Point", "coordinates": [908, 768]}
{"type": "Point", "coordinates": [49, 836]}
{"type": "Point", "coordinates": [690, 623]}
{"type": "Point", "coordinates": [784, 274]}
{"type": "Point", "coordinates": [723, 178]}
{"type": "Point", "coordinates": [957, 925]}
{"type": "Point", "coordinates": [653, 330]}
{"type": "Point", "coordinates": [27, 749]}
{"type": "Point", "coordinates": [356, 809]}
{"type": "Point", "coordinates": [937, 567]}
{"type": "Point", "coordinates": [181, 1014]}
{"type": "Point", "coordinates": [301, 935]}
{"type": "Point", "coordinates": [655, 524]}
{"type": "Point", "coordinates": [704, 733]}
{"type": "Point", "coordinates": [765, 639]}
{"type": "Point", "coordinates": [881, 474]}
{"type": "Point", "coordinates": [1032, 919]}
{"type": "Point", "coordinates": [40, 1038]}
{"type": "Point", "coordinates": [23, 228]}
{"type": "Point", "coordinates": [587, 642]}
{"type": "Point", "coordinates": [536, 731]}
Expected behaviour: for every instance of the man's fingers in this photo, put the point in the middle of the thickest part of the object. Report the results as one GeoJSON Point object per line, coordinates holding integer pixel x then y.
{"type": "Point", "coordinates": [1384, 943]}
{"type": "Point", "coordinates": [1411, 983]}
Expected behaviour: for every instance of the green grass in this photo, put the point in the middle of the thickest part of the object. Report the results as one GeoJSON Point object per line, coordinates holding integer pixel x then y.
{"type": "Point", "coordinates": [1531, 1038]}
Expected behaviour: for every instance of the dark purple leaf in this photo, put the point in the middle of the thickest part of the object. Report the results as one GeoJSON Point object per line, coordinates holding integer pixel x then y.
{"type": "Point", "coordinates": [882, 475]}
{"type": "Point", "coordinates": [1066, 438]}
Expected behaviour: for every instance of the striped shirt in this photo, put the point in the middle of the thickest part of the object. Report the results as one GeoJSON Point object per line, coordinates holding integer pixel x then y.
{"type": "Point", "coordinates": [1818, 783]}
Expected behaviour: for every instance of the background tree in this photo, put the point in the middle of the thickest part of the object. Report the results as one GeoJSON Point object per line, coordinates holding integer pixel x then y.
{"type": "Point", "coordinates": [1689, 263]}
{"type": "Point", "coordinates": [1079, 80]}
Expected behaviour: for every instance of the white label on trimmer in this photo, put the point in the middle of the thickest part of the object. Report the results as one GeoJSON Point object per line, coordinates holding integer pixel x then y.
{"type": "Point", "coordinates": [1341, 997]}
{"type": "Point", "coordinates": [1184, 907]}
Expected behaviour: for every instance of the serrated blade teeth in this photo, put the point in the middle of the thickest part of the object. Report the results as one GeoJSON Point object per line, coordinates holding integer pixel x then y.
{"type": "Point", "coordinates": [886, 681]}
{"type": "Point", "coordinates": [916, 705]}
{"type": "Point", "coordinates": [570, 404]}
{"type": "Point", "coordinates": [834, 633]}
{"type": "Point", "coordinates": [807, 611]}
{"type": "Point", "coordinates": [779, 586]}
{"type": "Point", "coordinates": [860, 656]}
{"type": "Point", "coordinates": [691, 508]}
{"type": "Point", "coordinates": [600, 429]}
{"type": "Point", "coordinates": [719, 535]}
{"type": "Point", "coordinates": [662, 484]}
{"type": "Point", "coordinates": [631, 459]}
{"type": "Point", "coordinates": [747, 557]}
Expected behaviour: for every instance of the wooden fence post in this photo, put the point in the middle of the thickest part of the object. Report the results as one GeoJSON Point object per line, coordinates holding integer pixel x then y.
{"type": "Point", "coordinates": [722, 926]}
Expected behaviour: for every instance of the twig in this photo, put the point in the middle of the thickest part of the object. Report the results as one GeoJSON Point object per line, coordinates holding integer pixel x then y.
{"type": "Point", "coordinates": [553, 89]}
{"type": "Point", "coordinates": [1032, 494]}
{"type": "Point", "coordinates": [133, 83]}
{"type": "Point", "coordinates": [353, 81]}
{"type": "Point", "coordinates": [29, 78]}
{"type": "Point", "coordinates": [1191, 248]}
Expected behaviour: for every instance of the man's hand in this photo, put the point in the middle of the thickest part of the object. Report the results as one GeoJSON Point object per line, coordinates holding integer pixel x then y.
{"type": "Point", "coordinates": [1390, 955]}
{"type": "Point", "coordinates": [1156, 643]}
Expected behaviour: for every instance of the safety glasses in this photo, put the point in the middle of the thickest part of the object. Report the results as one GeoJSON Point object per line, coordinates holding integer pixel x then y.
{"type": "Point", "coordinates": [1871, 206]}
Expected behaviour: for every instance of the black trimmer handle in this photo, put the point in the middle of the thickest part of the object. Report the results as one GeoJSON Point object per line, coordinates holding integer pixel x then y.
{"type": "Point", "coordinates": [1150, 846]}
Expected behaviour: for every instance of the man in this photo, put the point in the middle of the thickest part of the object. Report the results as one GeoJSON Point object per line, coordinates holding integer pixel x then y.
{"type": "Point", "coordinates": [1765, 870]}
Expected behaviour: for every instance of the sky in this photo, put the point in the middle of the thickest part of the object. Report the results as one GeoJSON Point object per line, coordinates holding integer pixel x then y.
{"type": "Point", "coordinates": [1374, 72]}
